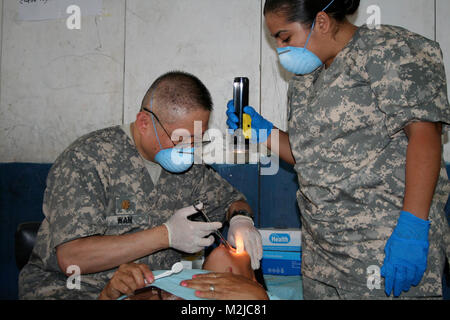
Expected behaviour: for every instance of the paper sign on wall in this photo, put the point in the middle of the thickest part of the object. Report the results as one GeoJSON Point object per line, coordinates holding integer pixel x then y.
{"type": "Point", "coordinates": [33, 10]}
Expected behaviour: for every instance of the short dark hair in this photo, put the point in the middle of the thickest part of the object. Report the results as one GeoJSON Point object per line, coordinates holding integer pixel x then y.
{"type": "Point", "coordinates": [179, 89]}
{"type": "Point", "coordinates": [305, 11]}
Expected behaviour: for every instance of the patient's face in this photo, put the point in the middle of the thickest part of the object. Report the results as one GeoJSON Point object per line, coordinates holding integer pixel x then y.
{"type": "Point", "coordinates": [221, 259]}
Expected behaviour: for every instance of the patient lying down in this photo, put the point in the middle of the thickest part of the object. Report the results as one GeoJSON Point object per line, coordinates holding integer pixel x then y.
{"type": "Point", "coordinates": [222, 259]}
{"type": "Point", "coordinates": [231, 277]}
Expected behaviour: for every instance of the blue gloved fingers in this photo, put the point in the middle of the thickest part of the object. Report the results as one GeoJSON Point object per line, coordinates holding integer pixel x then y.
{"type": "Point", "coordinates": [233, 118]}
{"type": "Point", "coordinates": [383, 271]}
{"type": "Point", "coordinates": [400, 279]}
{"type": "Point", "coordinates": [259, 123]}
{"type": "Point", "coordinates": [250, 111]}
{"type": "Point", "coordinates": [421, 268]}
{"type": "Point", "coordinates": [406, 254]}
{"type": "Point", "coordinates": [230, 106]}
{"type": "Point", "coordinates": [388, 273]}
{"type": "Point", "coordinates": [231, 112]}
{"type": "Point", "coordinates": [410, 274]}
{"type": "Point", "coordinates": [387, 256]}
{"type": "Point", "coordinates": [387, 270]}
{"type": "Point", "coordinates": [232, 125]}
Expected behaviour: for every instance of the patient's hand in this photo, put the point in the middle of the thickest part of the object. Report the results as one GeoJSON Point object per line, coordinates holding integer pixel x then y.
{"type": "Point", "coordinates": [232, 278]}
{"type": "Point", "coordinates": [126, 280]}
{"type": "Point", "coordinates": [227, 286]}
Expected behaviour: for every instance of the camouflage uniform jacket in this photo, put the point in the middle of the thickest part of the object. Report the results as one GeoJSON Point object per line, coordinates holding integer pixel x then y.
{"type": "Point", "coordinates": [100, 186]}
{"type": "Point", "coordinates": [346, 131]}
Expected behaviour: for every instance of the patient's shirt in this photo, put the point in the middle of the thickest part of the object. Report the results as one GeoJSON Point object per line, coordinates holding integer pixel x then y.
{"type": "Point", "coordinates": [100, 186]}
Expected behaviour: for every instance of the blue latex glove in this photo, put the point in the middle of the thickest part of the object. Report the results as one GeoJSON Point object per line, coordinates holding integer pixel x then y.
{"type": "Point", "coordinates": [258, 122]}
{"type": "Point", "coordinates": [406, 254]}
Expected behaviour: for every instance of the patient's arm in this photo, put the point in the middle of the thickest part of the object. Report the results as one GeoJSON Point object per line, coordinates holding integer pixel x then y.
{"type": "Point", "coordinates": [222, 259]}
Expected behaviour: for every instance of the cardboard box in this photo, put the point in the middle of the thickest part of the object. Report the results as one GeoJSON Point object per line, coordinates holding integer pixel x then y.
{"type": "Point", "coordinates": [281, 239]}
{"type": "Point", "coordinates": [281, 263]}
{"type": "Point", "coordinates": [281, 251]}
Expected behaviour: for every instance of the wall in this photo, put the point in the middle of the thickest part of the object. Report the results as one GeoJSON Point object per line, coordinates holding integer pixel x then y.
{"type": "Point", "coordinates": [57, 84]}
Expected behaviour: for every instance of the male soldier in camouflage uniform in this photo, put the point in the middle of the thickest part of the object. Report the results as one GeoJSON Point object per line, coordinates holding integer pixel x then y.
{"type": "Point", "coordinates": [108, 204]}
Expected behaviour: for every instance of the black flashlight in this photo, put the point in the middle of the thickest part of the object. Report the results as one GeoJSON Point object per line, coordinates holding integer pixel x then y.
{"type": "Point", "coordinates": [240, 97]}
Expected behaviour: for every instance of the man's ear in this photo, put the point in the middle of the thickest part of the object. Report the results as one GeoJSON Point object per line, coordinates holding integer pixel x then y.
{"type": "Point", "coordinates": [142, 121]}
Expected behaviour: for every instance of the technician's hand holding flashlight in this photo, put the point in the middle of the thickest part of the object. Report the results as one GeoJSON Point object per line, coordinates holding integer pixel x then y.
{"type": "Point", "coordinates": [258, 122]}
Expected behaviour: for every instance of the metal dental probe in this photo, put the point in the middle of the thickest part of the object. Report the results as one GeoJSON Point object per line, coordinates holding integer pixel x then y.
{"type": "Point", "coordinates": [217, 232]}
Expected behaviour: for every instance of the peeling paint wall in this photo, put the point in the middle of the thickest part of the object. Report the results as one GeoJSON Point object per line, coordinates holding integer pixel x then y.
{"type": "Point", "coordinates": [58, 84]}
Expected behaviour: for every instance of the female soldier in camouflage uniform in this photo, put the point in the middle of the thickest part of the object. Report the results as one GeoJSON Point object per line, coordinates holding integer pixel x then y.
{"type": "Point", "coordinates": [366, 109]}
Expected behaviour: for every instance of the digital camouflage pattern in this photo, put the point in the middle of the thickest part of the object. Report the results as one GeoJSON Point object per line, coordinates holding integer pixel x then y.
{"type": "Point", "coordinates": [346, 131]}
{"type": "Point", "coordinates": [100, 186]}
{"type": "Point", "coordinates": [317, 290]}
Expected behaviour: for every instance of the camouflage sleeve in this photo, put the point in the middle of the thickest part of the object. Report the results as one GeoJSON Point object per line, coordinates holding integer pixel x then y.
{"type": "Point", "coordinates": [216, 192]}
{"type": "Point", "coordinates": [74, 200]}
{"type": "Point", "coordinates": [289, 101]}
{"type": "Point", "coordinates": [408, 79]}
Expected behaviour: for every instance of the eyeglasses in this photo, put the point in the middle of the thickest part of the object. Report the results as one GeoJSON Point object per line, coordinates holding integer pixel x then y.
{"type": "Point", "coordinates": [186, 145]}
{"type": "Point", "coordinates": [151, 112]}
